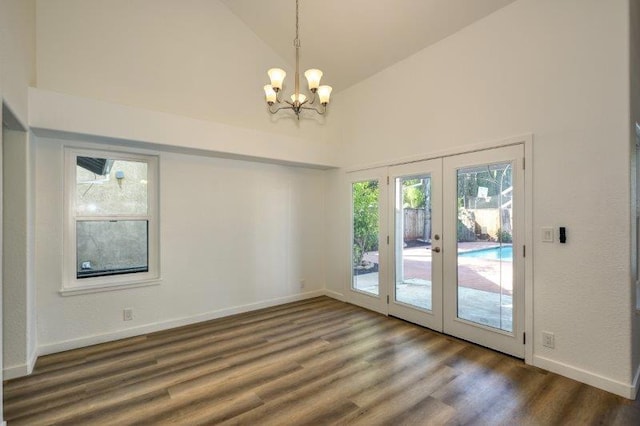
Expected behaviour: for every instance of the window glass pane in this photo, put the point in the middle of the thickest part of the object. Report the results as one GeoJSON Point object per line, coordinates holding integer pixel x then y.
{"type": "Point", "coordinates": [111, 247]}
{"type": "Point", "coordinates": [366, 225]}
{"type": "Point", "coordinates": [110, 187]}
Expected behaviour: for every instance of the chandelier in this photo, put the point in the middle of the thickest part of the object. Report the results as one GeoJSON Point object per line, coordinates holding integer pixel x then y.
{"type": "Point", "coordinates": [299, 101]}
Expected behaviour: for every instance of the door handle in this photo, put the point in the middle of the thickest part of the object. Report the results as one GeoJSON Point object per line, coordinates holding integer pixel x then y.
{"type": "Point", "coordinates": [436, 249]}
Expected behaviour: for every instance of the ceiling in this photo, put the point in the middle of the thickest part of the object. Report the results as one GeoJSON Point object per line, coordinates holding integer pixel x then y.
{"type": "Point", "coordinates": [350, 40]}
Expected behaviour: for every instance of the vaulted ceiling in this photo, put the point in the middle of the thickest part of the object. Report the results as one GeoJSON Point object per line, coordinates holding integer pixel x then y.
{"type": "Point", "coordinates": [350, 40]}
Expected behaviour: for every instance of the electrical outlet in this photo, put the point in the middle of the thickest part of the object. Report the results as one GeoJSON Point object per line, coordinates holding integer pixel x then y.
{"type": "Point", "coordinates": [302, 283]}
{"type": "Point", "coordinates": [548, 340]}
{"type": "Point", "coordinates": [127, 314]}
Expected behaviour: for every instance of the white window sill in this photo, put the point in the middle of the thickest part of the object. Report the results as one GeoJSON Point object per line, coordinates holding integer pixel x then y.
{"type": "Point", "coordinates": [74, 291]}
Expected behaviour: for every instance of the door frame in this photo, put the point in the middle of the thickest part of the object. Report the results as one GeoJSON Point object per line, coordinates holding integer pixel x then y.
{"type": "Point", "coordinates": [527, 140]}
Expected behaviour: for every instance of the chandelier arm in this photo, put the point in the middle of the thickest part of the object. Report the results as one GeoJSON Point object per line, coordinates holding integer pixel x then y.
{"type": "Point", "coordinates": [272, 111]}
{"type": "Point", "coordinates": [278, 97]}
{"type": "Point", "coordinates": [321, 112]}
{"type": "Point", "coordinates": [313, 97]}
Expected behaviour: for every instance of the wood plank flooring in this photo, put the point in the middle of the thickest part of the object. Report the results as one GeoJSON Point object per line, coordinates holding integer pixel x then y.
{"type": "Point", "coordinates": [317, 361]}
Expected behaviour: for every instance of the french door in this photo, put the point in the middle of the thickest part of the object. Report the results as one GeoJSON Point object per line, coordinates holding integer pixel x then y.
{"type": "Point", "coordinates": [448, 249]}
{"type": "Point", "coordinates": [416, 232]}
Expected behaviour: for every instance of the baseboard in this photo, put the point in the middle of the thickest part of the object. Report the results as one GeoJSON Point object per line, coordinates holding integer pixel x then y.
{"type": "Point", "coordinates": [164, 325]}
{"type": "Point", "coordinates": [624, 390]}
{"type": "Point", "coordinates": [15, 371]}
{"type": "Point", "coordinates": [334, 295]}
{"type": "Point", "coordinates": [21, 370]}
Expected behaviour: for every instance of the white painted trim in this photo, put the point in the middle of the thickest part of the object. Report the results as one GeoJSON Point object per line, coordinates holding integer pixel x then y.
{"type": "Point", "coordinates": [462, 149]}
{"type": "Point", "coordinates": [636, 383]}
{"type": "Point", "coordinates": [71, 291]}
{"type": "Point", "coordinates": [73, 116]}
{"type": "Point", "coordinates": [335, 295]}
{"type": "Point", "coordinates": [31, 361]}
{"type": "Point", "coordinates": [165, 325]}
{"type": "Point", "coordinates": [624, 390]}
{"type": "Point", "coordinates": [529, 243]}
{"type": "Point", "coordinates": [15, 371]}
{"type": "Point", "coordinates": [11, 119]}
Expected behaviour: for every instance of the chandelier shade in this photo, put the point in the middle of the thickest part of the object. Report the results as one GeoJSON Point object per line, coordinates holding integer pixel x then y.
{"type": "Point", "coordinates": [324, 93]}
{"type": "Point", "coordinates": [270, 94]}
{"type": "Point", "coordinates": [299, 101]}
{"type": "Point", "coordinates": [313, 78]}
{"type": "Point", "coordinates": [277, 77]}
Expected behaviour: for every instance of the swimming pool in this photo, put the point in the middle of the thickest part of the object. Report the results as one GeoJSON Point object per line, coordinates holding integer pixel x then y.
{"type": "Point", "coordinates": [495, 253]}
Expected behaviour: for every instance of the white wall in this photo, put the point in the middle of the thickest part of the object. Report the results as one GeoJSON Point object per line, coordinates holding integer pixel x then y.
{"type": "Point", "coordinates": [234, 235]}
{"type": "Point", "coordinates": [17, 52]}
{"type": "Point", "coordinates": [17, 72]}
{"type": "Point", "coordinates": [18, 286]}
{"type": "Point", "coordinates": [176, 77]}
{"type": "Point", "coordinates": [191, 57]}
{"type": "Point", "coordinates": [68, 114]}
{"type": "Point", "coordinates": [559, 70]}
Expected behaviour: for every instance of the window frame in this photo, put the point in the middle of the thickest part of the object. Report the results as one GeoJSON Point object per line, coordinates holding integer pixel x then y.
{"type": "Point", "coordinates": [71, 284]}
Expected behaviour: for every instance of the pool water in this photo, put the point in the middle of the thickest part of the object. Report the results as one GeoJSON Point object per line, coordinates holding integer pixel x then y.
{"type": "Point", "coordinates": [496, 253]}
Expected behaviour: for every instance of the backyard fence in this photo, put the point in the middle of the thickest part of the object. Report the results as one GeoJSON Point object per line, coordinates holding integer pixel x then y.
{"type": "Point", "coordinates": [488, 222]}
{"type": "Point", "coordinates": [416, 225]}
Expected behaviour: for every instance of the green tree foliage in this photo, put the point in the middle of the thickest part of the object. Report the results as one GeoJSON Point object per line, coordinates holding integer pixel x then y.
{"type": "Point", "coordinates": [365, 218]}
{"type": "Point", "coordinates": [413, 193]}
{"type": "Point", "coordinates": [504, 236]}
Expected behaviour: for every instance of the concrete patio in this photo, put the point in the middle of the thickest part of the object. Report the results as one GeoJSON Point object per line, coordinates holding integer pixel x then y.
{"type": "Point", "coordinates": [484, 285]}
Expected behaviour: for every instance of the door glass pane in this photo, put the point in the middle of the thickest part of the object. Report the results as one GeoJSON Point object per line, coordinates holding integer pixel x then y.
{"type": "Point", "coordinates": [485, 232]}
{"type": "Point", "coordinates": [366, 225]}
{"type": "Point", "coordinates": [413, 241]}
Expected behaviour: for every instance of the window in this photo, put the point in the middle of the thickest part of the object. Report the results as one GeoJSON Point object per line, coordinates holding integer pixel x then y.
{"type": "Point", "coordinates": [111, 220]}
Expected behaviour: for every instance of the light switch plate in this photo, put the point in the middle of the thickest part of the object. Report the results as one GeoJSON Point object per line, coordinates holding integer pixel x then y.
{"type": "Point", "coordinates": [547, 235]}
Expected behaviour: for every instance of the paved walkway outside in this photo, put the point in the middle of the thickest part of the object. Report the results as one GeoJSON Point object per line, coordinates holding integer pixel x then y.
{"type": "Point", "coordinates": [484, 285]}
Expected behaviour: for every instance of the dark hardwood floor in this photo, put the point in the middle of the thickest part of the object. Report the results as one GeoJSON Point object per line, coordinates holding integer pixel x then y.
{"type": "Point", "coordinates": [318, 361]}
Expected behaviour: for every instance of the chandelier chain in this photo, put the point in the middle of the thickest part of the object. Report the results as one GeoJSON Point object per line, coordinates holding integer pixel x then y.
{"type": "Point", "coordinates": [296, 42]}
